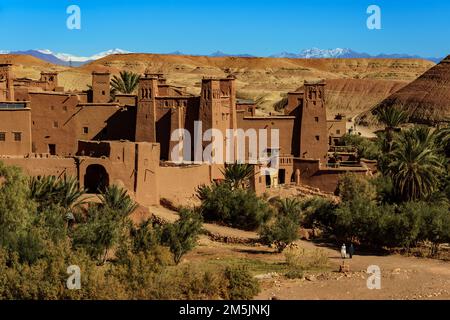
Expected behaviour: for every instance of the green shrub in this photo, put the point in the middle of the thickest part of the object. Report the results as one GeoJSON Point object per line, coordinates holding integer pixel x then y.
{"type": "Point", "coordinates": [189, 282]}
{"type": "Point", "coordinates": [294, 274]}
{"type": "Point", "coordinates": [282, 232]}
{"type": "Point", "coordinates": [17, 210]}
{"type": "Point", "coordinates": [99, 232]}
{"type": "Point", "coordinates": [37, 246]}
{"type": "Point", "coordinates": [366, 148]}
{"type": "Point", "coordinates": [436, 224]}
{"type": "Point", "coordinates": [241, 284]}
{"type": "Point", "coordinates": [145, 237]}
{"type": "Point", "coordinates": [352, 186]}
{"type": "Point", "coordinates": [181, 236]}
{"type": "Point", "coordinates": [234, 207]}
{"type": "Point", "coordinates": [318, 213]}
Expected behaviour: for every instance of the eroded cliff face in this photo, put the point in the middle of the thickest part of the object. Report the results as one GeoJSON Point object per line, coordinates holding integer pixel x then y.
{"type": "Point", "coordinates": [354, 85]}
{"type": "Point", "coordinates": [353, 96]}
{"type": "Point", "coordinates": [426, 99]}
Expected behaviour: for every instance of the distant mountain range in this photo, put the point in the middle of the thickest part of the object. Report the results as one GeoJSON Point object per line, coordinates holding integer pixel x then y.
{"type": "Point", "coordinates": [315, 53]}
{"type": "Point", "coordinates": [66, 59]}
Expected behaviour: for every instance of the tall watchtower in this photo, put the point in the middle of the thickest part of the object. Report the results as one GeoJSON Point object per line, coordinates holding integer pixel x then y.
{"type": "Point", "coordinates": [146, 109]}
{"type": "Point", "coordinates": [100, 87]}
{"type": "Point", "coordinates": [218, 107]}
{"type": "Point", "coordinates": [218, 103]}
{"type": "Point", "coordinates": [51, 80]}
{"type": "Point", "coordinates": [313, 122]}
{"type": "Point", "coordinates": [7, 77]}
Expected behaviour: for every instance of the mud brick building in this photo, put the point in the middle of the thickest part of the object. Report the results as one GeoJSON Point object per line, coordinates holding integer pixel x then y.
{"type": "Point", "coordinates": [128, 140]}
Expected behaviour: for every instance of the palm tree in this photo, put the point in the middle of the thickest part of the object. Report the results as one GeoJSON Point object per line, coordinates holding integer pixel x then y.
{"type": "Point", "coordinates": [290, 207]}
{"type": "Point", "coordinates": [391, 118]}
{"type": "Point", "coordinates": [70, 195]}
{"type": "Point", "coordinates": [63, 192]}
{"type": "Point", "coordinates": [126, 83]}
{"type": "Point", "coordinates": [415, 165]}
{"type": "Point", "coordinates": [443, 139]}
{"type": "Point", "coordinates": [118, 200]}
{"type": "Point", "coordinates": [237, 174]}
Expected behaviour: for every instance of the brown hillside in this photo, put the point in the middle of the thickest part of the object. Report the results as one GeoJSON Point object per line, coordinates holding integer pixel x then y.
{"type": "Point", "coordinates": [28, 66]}
{"type": "Point", "coordinates": [402, 69]}
{"type": "Point", "coordinates": [354, 84]}
{"type": "Point", "coordinates": [25, 60]}
{"type": "Point", "coordinates": [350, 96]}
{"type": "Point", "coordinates": [426, 99]}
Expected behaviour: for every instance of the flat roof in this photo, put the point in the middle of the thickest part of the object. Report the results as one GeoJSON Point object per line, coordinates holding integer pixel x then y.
{"type": "Point", "coordinates": [270, 117]}
{"type": "Point", "coordinates": [99, 104]}
{"type": "Point", "coordinates": [174, 97]}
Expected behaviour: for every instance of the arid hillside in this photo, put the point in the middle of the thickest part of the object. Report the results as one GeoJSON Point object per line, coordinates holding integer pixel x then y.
{"type": "Point", "coordinates": [426, 99]}
{"type": "Point", "coordinates": [28, 66]}
{"type": "Point", "coordinates": [355, 85]}
{"type": "Point", "coordinates": [350, 96]}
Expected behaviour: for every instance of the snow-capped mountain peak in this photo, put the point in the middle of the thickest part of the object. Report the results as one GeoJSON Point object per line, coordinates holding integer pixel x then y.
{"type": "Point", "coordinates": [67, 59]}
{"type": "Point", "coordinates": [74, 58]}
{"type": "Point", "coordinates": [44, 51]}
{"type": "Point", "coordinates": [315, 53]}
{"type": "Point", "coordinates": [324, 53]}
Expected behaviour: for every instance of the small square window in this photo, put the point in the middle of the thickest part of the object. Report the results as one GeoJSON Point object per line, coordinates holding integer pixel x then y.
{"type": "Point", "coordinates": [317, 138]}
{"type": "Point", "coordinates": [85, 130]}
{"type": "Point", "coordinates": [316, 118]}
{"type": "Point", "coordinates": [2, 136]}
{"type": "Point", "coordinates": [65, 108]}
{"type": "Point", "coordinates": [17, 136]}
{"type": "Point", "coordinates": [103, 92]}
{"type": "Point", "coordinates": [55, 124]}
{"type": "Point", "coordinates": [338, 131]}
{"type": "Point", "coordinates": [52, 107]}
{"type": "Point", "coordinates": [52, 149]}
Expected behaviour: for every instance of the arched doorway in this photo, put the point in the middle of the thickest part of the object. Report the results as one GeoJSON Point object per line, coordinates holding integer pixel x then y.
{"type": "Point", "coordinates": [96, 178]}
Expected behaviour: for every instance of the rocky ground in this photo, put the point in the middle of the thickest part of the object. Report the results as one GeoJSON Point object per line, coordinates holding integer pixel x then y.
{"type": "Point", "coordinates": [402, 277]}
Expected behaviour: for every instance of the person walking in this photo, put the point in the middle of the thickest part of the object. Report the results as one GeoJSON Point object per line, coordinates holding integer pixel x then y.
{"type": "Point", "coordinates": [343, 251]}
{"type": "Point", "coordinates": [351, 250]}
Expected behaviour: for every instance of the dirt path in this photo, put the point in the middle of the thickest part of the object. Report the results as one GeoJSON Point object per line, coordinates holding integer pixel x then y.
{"type": "Point", "coordinates": [401, 278]}
{"type": "Point", "coordinates": [214, 230]}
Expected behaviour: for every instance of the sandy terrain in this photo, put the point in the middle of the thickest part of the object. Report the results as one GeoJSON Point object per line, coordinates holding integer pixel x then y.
{"type": "Point", "coordinates": [402, 277]}
{"type": "Point", "coordinates": [355, 85]}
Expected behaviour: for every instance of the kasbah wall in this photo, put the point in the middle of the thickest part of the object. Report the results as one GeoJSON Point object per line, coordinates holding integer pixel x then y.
{"type": "Point", "coordinates": [126, 140]}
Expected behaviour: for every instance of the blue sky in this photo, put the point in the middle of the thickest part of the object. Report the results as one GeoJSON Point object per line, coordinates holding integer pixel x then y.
{"type": "Point", "coordinates": [234, 26]}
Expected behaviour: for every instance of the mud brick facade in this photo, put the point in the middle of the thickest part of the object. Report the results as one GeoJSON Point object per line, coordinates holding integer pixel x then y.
{"type": "Point", "coordinates": [127, 139]}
